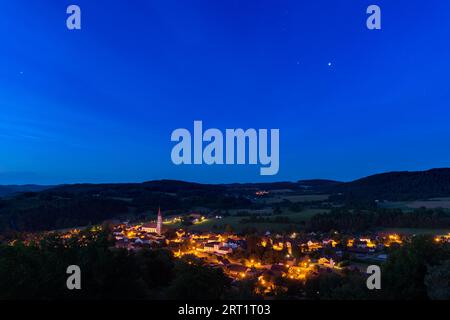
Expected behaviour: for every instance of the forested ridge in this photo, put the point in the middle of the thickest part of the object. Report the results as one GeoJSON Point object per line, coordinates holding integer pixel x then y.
{"type": "Point", "coordinates": [62, 206]}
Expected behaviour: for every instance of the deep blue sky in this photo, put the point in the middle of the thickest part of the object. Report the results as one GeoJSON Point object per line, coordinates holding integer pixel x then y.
{"type": "Point", "coordinates": [99, 105]}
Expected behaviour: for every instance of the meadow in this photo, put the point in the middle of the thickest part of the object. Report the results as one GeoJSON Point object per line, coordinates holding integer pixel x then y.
{"type": "Point", "coordinates": [296, 218]}
{"type": "Point", "coordinates": [277, 198]}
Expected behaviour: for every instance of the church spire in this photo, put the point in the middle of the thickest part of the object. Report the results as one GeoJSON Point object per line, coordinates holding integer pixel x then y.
{"type": "Point", "coordinates": [159, 222]}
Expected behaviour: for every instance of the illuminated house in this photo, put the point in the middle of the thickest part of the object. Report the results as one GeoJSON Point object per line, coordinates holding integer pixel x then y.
{"type": "Point", "coordinates": [236, 270]}
{"type": "Point", "coordinates": [444, 238]}
{"type": "Point", "coordinates": [224, 250]}
{"type": "Point", "coordinates": [330, 242]}
{"type": "Point", "coordinates": [211, 246]}
{"type": "Point", "coordinates": [216, 247]}
{"type": "Point", "coordinates": [392, 239]}
{"type": "Point", "coordinates": [366, 243]}
{"type": "Point", "coordinates": [326, 263]}
{"type": "Point", "coordinates": [313, 246]}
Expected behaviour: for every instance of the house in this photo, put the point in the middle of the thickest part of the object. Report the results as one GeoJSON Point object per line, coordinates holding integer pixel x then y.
{"type": "Point", "coordinates": [211, 246]}
{"type": "Point", "coordinates": [313, 246]}
{"type": "Point", "coordinates": [291, 262]}
{"type": "Point", "coordinates": [223, 260]}
{"type": "Point", "coordinates": [233, 244]}
{"type": "Point", "coordinates": [217, 247]}
{"type": "Point", "coordinates": [195, 215]}
{"type": "Point", "coordinates": [278, 269]}
{"type": "Point", "coordinates": [358, 249]}
{"type": "Point", "coordinates": [329, 242]}
{"type": "Point", "coordinates": [328, 263]}
{"type": "Point", "coordinates": [381, 257]}
{"type": "Point", "coordinates": [223, 250]}
{"type": "Point", "coordinates": [237, 270]}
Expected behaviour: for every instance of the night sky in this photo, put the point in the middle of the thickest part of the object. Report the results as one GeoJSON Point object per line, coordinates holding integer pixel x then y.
{"type": "Point", "coordinates": [99, 104]}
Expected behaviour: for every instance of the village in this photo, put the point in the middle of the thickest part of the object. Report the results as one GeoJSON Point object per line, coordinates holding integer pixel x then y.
{"type": "Point", "coordinates": [263, 258]}
{"type": "Point", "coordinates": [269, 260]}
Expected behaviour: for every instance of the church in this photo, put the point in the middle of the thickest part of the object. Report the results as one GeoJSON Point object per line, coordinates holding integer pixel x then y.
{"type": "Point", "coordinates": [153, 227]}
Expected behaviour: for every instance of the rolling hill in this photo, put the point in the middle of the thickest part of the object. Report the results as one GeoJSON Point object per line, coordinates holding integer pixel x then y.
{"type": "Point", "coordinates": [9, 190]}
{"type": "Point", "coordinates": [32, 207]}
{"type": "Point", "coordinates": [398, 186]}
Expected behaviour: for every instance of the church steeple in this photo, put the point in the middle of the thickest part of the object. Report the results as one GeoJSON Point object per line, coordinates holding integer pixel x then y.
{"type": "Point", "coordinates": [159, 222]}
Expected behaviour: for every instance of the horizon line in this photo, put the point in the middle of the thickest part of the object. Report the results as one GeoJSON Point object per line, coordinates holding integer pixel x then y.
{"type": "Point", "coordinates": [223, 183]}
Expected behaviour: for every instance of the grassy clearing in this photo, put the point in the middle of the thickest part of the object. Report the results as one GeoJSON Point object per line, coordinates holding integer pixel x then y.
{"type": "Point", "coordinates": [303, 215]}
{"type": "Point", "coordinates": [237, 225]}
{"type": "Point", "coordinates": [265, 211]}
{"type": "Point", "coordinates": [294, 198]}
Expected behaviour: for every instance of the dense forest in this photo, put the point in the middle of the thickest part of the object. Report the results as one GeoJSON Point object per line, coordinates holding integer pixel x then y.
{"type": "Point", "coordinates": [354, 220]}
{"type": "Point", "coordinates": [33, 212]}
{"type": "Point", "coordinates": [38, 271]}
{"type": "Point", "coordinates": [80, 205]}
{"type": "Point", "coordinates": [33, 208]}
{"type": "Point", "coordinates": [395, 186]}
{"type": "Point", "coordinates": [9, 190]}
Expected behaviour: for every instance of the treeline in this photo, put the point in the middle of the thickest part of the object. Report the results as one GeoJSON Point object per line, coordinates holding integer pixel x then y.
{"type": "Point", "coordinates": [35, 213]}
{"type": "Point", "coordinates": [396, 186]}
{"type": "Point", "coordinates": [80, 206]}
{"type": "Point", "coordinates": [354, 220]}
{"type": "Point", "coordinates": [170, 195]}
{"type": "Point", "coordinates": [418, 270]}
{"type": "Point", "coordinates": [260, 219]}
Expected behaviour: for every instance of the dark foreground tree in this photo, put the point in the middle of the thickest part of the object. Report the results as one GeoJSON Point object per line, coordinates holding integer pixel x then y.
{"type": "Point", "coordinates": [437, 281]}
{"type": "Point", "coordinates": [194, 281]}
{"type": "Point", "coordinates": [403, 276]}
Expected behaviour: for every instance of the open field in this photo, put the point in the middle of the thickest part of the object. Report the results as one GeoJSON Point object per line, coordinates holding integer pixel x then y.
{"type": "Point", "coordinates": [237, 225]}
{"type": "Point", "coordinates": [265, 211]}
{"type": "Point", "coordinates": [294, 198]}
{"type": "Point", "coordinates": [303, 215]}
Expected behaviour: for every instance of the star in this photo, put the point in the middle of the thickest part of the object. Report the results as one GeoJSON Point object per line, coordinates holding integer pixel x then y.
{"type": "Point", "coordinates": [329, 64]}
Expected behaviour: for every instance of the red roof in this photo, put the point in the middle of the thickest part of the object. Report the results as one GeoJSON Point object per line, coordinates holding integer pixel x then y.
{"type": "Point", "coordinates": [150, 225]}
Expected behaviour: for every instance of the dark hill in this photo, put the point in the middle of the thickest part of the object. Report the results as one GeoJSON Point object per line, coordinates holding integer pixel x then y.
{"type": "Point", "coordinates": [124, 189]}
{"type": "Point", "coordinates": [318, 185]}
{"type": "Point", "coordinates": [403, 185]}
{"type": "Point", "coordinates": [318, 182]}
{"type": "Point", "coordinates": [9, 190]}
{"type": "Point", "coordinates": [37, 207]}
